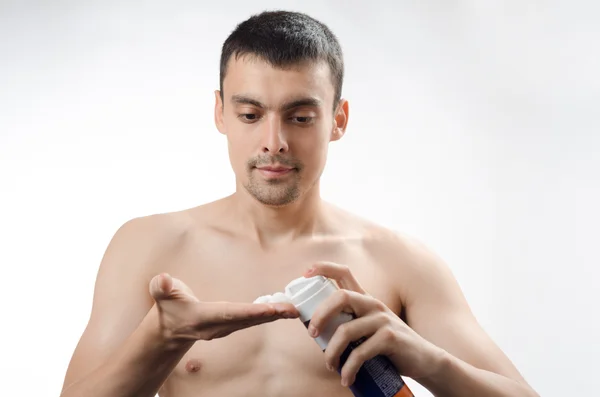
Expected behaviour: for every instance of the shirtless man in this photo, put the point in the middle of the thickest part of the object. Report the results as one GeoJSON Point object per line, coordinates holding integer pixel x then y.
{"type": "Point", "coordinates": [172, 311]}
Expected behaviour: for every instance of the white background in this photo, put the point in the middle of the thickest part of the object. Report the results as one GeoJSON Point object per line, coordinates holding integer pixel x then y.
{"type": "Point", "coordinates": [472, 128]}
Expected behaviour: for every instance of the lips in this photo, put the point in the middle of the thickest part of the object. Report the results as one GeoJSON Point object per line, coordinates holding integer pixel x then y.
{"type": "Point", "coordinates": [274, 169]}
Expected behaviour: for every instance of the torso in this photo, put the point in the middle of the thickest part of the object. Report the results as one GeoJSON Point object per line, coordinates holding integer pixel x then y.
{"type": "Point", "coordinates": [275, 359]}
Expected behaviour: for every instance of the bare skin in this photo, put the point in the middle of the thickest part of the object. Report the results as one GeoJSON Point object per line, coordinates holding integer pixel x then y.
{"type": "Point", "coordinates": [150, 333]}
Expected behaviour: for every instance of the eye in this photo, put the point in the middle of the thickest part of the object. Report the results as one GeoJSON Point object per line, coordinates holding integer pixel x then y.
{"type": "Point", "coordinates": [302, 119]}
{"type": "Point", "coordinates": [248, 117]}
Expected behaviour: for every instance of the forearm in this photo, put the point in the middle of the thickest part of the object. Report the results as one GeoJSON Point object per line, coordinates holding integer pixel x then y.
{"type": "Point", "coordinates": [456, 378]}
{"type": "Point", "coordinates": [138, 369]}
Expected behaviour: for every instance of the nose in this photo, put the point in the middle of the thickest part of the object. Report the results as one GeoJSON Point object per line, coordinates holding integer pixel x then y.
{"type": "Point", "coordinates": [273, 137]}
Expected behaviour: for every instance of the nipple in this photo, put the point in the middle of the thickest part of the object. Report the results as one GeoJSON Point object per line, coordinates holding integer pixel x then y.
{"type": "Point", "coordinates": [192, 365]}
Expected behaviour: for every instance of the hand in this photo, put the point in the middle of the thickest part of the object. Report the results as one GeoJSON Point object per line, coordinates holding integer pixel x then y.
{"type": "Point", "coordinates": [386, 333]}
{"type": "Point", "coordinates": [184, 318]}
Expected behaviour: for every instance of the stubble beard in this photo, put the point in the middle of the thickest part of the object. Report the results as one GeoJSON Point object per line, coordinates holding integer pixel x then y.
{"type": "Point", "coordinates": [274, 192]}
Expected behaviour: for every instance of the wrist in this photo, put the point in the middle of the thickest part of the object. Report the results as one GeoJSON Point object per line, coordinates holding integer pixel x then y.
{"type": "Point", "coordinates": [440, 364]}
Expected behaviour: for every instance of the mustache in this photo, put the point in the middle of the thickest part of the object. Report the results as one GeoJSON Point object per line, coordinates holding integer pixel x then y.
{"type": "Point", "coordinates": [271, 160]}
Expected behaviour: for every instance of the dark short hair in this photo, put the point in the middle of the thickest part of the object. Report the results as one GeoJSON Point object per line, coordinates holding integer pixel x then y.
{"type": "Point", "coordinates": [284, 39]}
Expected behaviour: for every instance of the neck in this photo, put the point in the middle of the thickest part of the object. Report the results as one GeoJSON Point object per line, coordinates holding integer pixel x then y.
{"type": "Point", "coordinates": [274, 225]}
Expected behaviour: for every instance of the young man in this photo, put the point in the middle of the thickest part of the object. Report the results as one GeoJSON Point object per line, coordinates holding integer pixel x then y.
{"type": "Point", "coordinates": [171, 311]}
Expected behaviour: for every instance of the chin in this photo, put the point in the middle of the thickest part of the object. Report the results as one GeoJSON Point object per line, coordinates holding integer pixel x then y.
{"type": "Point", "coordinates": [272, 196]}
{"type": "Point", "coordinates": [276, 202]}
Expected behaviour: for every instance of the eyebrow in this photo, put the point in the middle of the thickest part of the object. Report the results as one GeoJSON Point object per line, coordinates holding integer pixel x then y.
{"type": "Point", "coordinates": [294, 103]}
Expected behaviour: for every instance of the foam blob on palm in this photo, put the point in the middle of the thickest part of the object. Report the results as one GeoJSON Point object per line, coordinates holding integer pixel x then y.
{"type": "Point", "coordinates": [278, 297]}
{"type": "Point", "coordinates": [299, 290]}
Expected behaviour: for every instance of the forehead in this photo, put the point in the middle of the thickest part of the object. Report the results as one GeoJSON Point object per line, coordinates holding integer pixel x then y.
{"type": "Point", "coordinates": [252, 76]}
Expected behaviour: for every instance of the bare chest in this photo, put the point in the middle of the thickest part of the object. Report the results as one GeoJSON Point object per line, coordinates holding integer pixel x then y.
{"type": "Point", "coordinates": [272, 357]}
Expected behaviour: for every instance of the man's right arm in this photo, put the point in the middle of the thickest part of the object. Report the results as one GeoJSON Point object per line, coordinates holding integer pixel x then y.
{"type": "Point", "coordinates": [122, 352]}
{"type": "Point", "coordinates": [143, 321]}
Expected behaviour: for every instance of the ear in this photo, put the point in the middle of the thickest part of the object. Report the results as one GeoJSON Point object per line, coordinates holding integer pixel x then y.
{"type": "Point", "coordinates": [340, 120]}
{"type": "Point", "coordinates": [219, 112]}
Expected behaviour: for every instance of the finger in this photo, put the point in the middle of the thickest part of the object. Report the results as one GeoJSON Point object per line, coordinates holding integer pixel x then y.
{"type": "Point", "coordinates": [250, 322]}
{"type": "Point", "coordinates": [224, 329]}
{"type": "Point", "coordinates": [215, 313]}
{"type": "Point", "coordinates": [341, 301]}
{"type": "Point", "coordinates": [161, 286]}
{"type": "Point", "coordinates": [340, 273]}
{"type": "Point", "coordinates": [365, 351]}
{"type": "Point", "coordinates": [285, 309]}
{"type": "Point", "coordinates": [223, 319]}
{"type": "Point", "coordinates": [352, 331]}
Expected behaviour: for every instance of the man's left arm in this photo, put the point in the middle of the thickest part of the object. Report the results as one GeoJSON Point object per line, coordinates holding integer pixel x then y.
{"type": "Point", "coordinates": [438, 311]}
{"type": "Point", "coordinates": [443, 347]}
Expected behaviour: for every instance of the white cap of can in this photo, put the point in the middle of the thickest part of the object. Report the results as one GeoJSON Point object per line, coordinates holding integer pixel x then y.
{"type": "Point", "coordinates": [307, 294]}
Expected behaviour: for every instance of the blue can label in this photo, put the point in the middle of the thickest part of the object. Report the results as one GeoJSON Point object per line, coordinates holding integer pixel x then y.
{"type": "Point", "coordinates": [377, 377]}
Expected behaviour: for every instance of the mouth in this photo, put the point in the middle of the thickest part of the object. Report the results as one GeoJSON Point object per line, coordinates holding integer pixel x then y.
{"type": "Point", "coordinates": [274, 171]}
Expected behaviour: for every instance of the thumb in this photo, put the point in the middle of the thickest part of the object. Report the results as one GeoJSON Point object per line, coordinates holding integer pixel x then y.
{"type": "Point", "coordinates": [161, 286]}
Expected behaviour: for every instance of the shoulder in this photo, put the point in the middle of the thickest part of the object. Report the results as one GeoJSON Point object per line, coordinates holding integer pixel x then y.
{"type": "Point", "coordinates": [156, 231]}
{"type": "Point", "coordinates": [401, 249]}
{"type": "Point", "coordinates": [412, 265]}
{"type": "Point", "coordinates": [142, 242]}
{"type": "Point", "coordinates": [381, 240]}
{"type": "Point", "coordinates": [422, 277]}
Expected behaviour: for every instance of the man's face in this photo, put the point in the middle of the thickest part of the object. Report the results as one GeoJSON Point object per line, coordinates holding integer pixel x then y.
{"type": "Point", "coordinates": [278, 125]}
